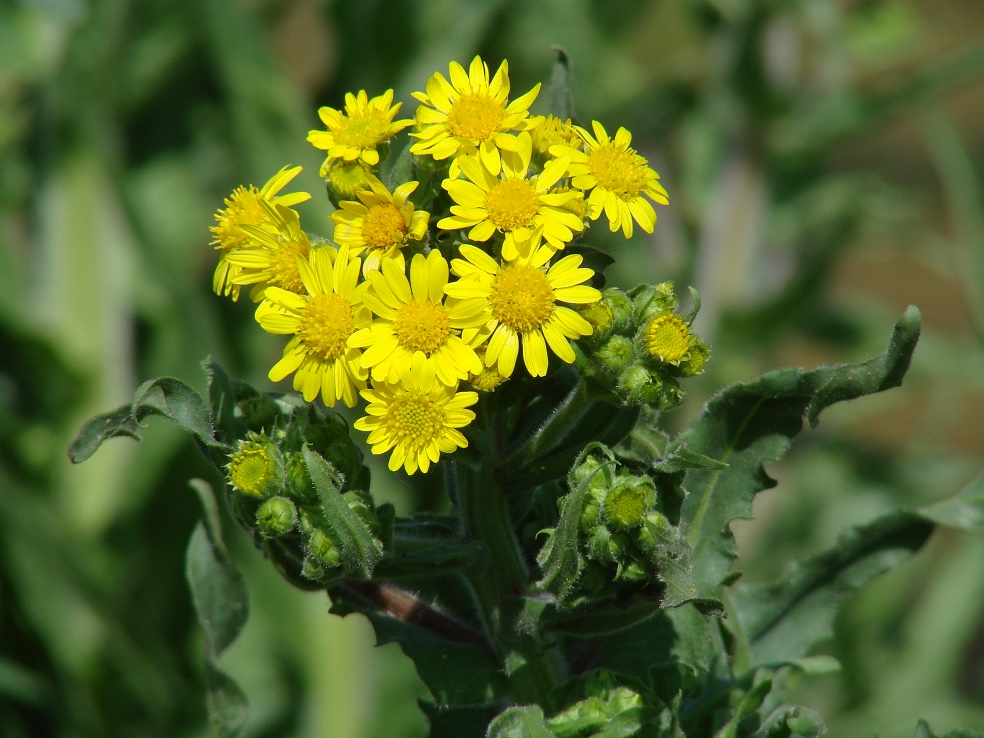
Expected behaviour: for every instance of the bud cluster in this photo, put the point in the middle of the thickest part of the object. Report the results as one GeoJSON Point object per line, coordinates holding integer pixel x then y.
{"type": "Point", "coordinates": [641, 346]}
{"type": "Point", "coordinates": [274, 495]}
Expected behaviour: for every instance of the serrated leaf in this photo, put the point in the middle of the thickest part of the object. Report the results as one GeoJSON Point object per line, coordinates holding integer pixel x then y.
{"type": "Point", "coordinates": [747, 424]}
{"type": "Point", "coordinates": [221, 601]}
{"type": "Point", "coordinates": [168, 397]}
{"type": "Point", "coordinates": [782, 621]}
{"type": "Point", "coordinates": [560, 559]}
{"type": "Point", "coordinates": [361, 550]}
{"type": "Point", "coordinates": [520, 722]}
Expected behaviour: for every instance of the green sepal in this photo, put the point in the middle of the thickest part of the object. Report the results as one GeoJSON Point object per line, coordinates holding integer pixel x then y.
{"type": "Point", "coordinates": [361, 550]}
{"type": "Point", "coordinates": [166, 396]}
{"type": "Point", "coordinates": [221, 601]}
{"type": "Point", "coordinates": [520, 722]}
{"type": "Point", "coordinates": [747, 424]}
{"type": "Point", "coordinates": [783, 620]}
{"type": "Point", "coordinates": [560, 559]}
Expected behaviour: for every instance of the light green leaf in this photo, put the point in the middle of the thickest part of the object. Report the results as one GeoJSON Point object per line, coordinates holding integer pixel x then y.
{"type": "Point", "coordinates": [520, 722]}
{"type": "Point", "coordinates": [361, 550]}
{"type": "Point", "coordinates": [963, 511]}
{"type": "Point", "coordinates": [788, 720]}
{"type": "Point", "coordinates": [747, 424]}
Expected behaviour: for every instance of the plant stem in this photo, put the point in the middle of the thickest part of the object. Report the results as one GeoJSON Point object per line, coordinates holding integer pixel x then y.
{"type": "Point", "coordinates": [531, 669]}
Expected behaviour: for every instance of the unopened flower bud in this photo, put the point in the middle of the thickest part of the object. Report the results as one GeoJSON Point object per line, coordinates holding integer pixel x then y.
{"type": "Point", "coordinates": [655, 526]}
{"type": "Point", "coordinates": [259, 412]}
{"type": "Point", "coordinates": [322, 548]}
{"type": "Point", "coordinates": [600, 316]}
{"type": "Point", "coordinates": [639, 386]}
{"type": "Point", "coordinates": [276, 516]}
{"type": "Point", "coordinates": [626, 504]}
{"type": "Point", "coordinates": [344, 179]}
{"type": "Point", "coordinates": [696, 357]}
{"type": "Point", "coordinates": [621, 306]}
{"type": "Point", "coordinates": [654, 301]}
{"type": "Point", "coordinates": [615, 354]}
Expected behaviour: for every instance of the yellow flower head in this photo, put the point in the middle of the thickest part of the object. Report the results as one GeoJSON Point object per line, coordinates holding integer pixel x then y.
{"type": "Point", "coordinates": [414, 319]}
{"type": "Point", "coordinates": [321, 322]}
{"type": "Point", "coordinates": [242, 208]}
{"type": "Point", "coordinates": [667, 338]}
{"type": "Point", "coordinates": [522, 296]}
{"type": "Point", "coordinates": [417, 417]}
{"type": "Point", "coordinates": [271, 257]}
{"type": "Point", "coordinates": [252, 468]}
{"type": "Point", "coordinates": [511, 202]}
{"type": "Point", "coordinates": [470, 115]}
{"type": "Point", "coordinates": [355, 134]}
{"type": "Point", "coordinates": [381, 222]}
{"type": "Point", "coordinates": [553, 131]}
{"type": "Point", "coordinates": [617, 178]}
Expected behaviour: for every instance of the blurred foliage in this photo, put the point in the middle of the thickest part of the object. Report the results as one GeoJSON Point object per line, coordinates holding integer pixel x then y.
{"type": "Point", "coordinates": [823, 159]}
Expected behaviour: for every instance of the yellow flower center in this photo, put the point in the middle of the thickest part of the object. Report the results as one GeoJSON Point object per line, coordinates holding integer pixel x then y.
{"type": "Point", "coordinates": [626, 505]}
{"type": "Point", "coordinates": [475, 117]}
{"type": "Point", "coordinates": [422, 326]}
{"type": "Point", "coordinates": [364, 129]}
{"type": "Point", "coordinates": [415, 420]}
{"type": "Point", "coordinates": [487, 379]}
{"type": "Point", "coordinates": [667, 338]}
{"type": "Point", "coordinates": [384, 225]}
{"type": "Point", "coordinates": [553, 132]}
{"type": "Point", "coordinates": [521, 297]}
{"type": "Point", "coordinates": [283, 264]}
{"type": "Point", "coordinates": [326, 326]}
{"type": "Point", "coordinates": [251, 470]}
{"type": "Point", "coordinates": [242, 208]}
{"type": "Point", "coordinates": [621, 171]}
{"type": "Point", "coordinates": [511, 204]}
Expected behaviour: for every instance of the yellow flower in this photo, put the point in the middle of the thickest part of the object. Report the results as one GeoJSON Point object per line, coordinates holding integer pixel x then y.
{"type": "Point", "coordinates": [470, 115]}
{"type": "Point", "coordinates": [617, 178]}
{"type": "Point", "coordinates": [416, 320]}
{"type": "Point", "coordinates": [381, 222]}
{"type": "Point", "coordinates": [512, 203]}
{"type": "Point", "coordinates": [345, 178]}
{"type": "Point", "coordinates": [522, 296]}
{"type": "Point", "coordinates": [243, 209]}
{"type": "Point", "coordinates": [667, 338]}
{"type": "Point", "coordinates": [356, 133]}
{"type": "Point", "coordinates": [271, 257]}
{"type": "Point", "coordinates": [552, 131]}
{"type": "Point", "coordinates": [321, 322]}
{"type": "Point", "coordinates": [252, 469]}
{"type": "Point", "coordinates": [416, 417]}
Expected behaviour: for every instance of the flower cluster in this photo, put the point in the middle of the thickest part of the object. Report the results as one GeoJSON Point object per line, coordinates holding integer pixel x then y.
{"type": "Point", "coordinates": [433, 287]}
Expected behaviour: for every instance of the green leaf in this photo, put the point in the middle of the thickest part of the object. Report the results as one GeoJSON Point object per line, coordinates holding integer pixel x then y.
{"type": "Point", "coordinates": [453, 661]}
{"type": "Point", "coordinates": [924, 731]}
{"type": "Point", "coordinates": [963, 511]}
{"type": "Point", "coordinates": [456, 722]}
{"type": "Point", "coordinates": [671, 557]}
{"type": "Point", "coordinates": [788, 720]}
{"type": "Point", "coordinates": [221, 602]}
{"type": "Point", "coordinates": [750, 702]}
{"type": "Point", "coordinates": [433, 559]}
{"type": "Point", "coordinates": [520, 722]}
{"type": "Point", "coordinates": [747, 424]}
{"type": "Point", "coordinates": [560, 558]}
{"type": "Point", "coordinates": [782, 621]}
{"type": "Point", "coordinates": [222, 400]}
{"type": "Point", "coordinates": [599, 617]}
{"type": "Point", "coordinates": [168, 397]}
{"type": "Point", "coordinates": [361, 550]}
{"type": "Point", "coordinates": [561, 100]}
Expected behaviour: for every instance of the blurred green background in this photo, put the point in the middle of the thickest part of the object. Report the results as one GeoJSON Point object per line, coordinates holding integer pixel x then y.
{"type": "Point", "coordinates": [823, 159]}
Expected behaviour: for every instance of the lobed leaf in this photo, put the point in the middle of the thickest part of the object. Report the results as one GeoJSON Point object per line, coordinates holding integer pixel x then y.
{"type": "Point", "coordinates": [747, 424]}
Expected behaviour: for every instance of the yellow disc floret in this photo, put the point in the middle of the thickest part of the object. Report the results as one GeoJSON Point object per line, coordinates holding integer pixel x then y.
{"type": "Point", "coordinates": [422, 326]}
{"type": "Point", "coordinates": [253, 468]}
{"type": "Point", "coordinates": [326, 325]}
{"type": "Point", "coordinates": [667, 338]}
{"type": "Point", "coordinates": [521, 297]}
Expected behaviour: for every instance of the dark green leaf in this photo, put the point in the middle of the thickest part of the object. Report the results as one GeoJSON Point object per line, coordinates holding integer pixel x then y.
{"type": "Point", "coordinates": [221, 602]}
{"type": "Point", "coordinates": [924, 731]}
{"type": "Point", "coordinates": [750, 702]}
{"type": "Point", "coordinates": [782, 621]}
{"type": "Point", "coordinates": [598, 618]}
{"type": "Point", "coordinates": [561, 101]}
{"type": "Point", "coordinates": [671, 557]}
{"type": "Point", "coordinates": [361, 550]}
{"type": "Point", "coordinates": [520, 722]}
{"type": "Point", "coordinates": [222, 399]}
{"type": "Point", "coordinates": [167, 397]}
{"type": "Point", "coordinates": [434, 559]}
{"type": "Point", "coordinates": [745, 425]}
{"type": "Point", "coordinates": [456, 722]}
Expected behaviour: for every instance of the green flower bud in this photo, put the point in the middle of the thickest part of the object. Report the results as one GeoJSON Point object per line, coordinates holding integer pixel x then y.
{"type": "Point", "coordinates": [656, 525]}
{"type": "Point", "coordinates": [637, 385]}
{"type": "Point", "coordinates": [313, 569]}
{"type": "Point", "coordinates": [615, 354]}
{"type": "Point", "coordinates": [653, 301]}
{"type": "Point", "coordinates": [276, 516]}
{"type": "Point", "coordinates": [626, 504]}
{"type": "Point", "coordinates": [634, 571]}
{"type": "Point", "coordinates": [344, 179]}
{"type": "Point", "coordinates": [621, 306]}
{"type": "Point", "coordinates": [587, 470]}
{"type": "Point", "coordinates": [309, 520]}
{"type": "Point", "coordinates": [299, 479]}
{"type": "Point", "coordinates": [253, 468]}
{"type": "Point", "coordinates": [600, 545]}
{"type": "Point", "coordinates": [259, 412]}
{"type": "Point", "coordinates": [696, 358]}
{"type": "Point", "coordinates": [600, 316]}
{"type": "Point", "coordinates": [322, 548]}
{"type": "Point", "coordinates": [589, 516]}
